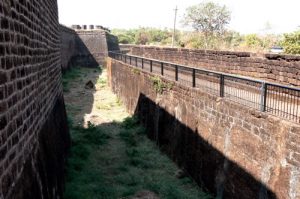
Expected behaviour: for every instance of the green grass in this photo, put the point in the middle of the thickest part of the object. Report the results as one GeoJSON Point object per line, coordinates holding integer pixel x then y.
{"type": "Point", "coordinates": [120, 165]}
{"type": "Point", "coordinates": [71, 74]}
{"type": "Point", "coordinates": [102, 82]}
{"type": "Point", "coordinates": [83, 182]}
{"type": "Point", "coordinates": [117, 160]}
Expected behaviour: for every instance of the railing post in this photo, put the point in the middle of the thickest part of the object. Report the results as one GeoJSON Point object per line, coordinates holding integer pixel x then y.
{"type": "Point", "coordinates": [125, 58]}
{"type": "Point", "coordinates": [176, 72]}
{"type": "Point", "coordinates": [194, 77]}
{"type": "Point", "coordinates": [222, 85]}
{"type": "Point", "coordinates": [142, 63]}
{"type": "Point", "coordinates": [162, 68]}
{"type": "Point", "coordinates": [136, 64]}
{"type": "Point", "coordinates": [263, 97]}
{"type": "Point", "coordinates": [151, 66]}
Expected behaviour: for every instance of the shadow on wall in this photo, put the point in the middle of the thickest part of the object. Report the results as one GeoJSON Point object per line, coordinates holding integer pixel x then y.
{"type": "Point", "coordinates": [208, 166]}
{"type": "Point", "coordinates": [85, 48]}
{"type": "Point", "coordinates": [83, 56]}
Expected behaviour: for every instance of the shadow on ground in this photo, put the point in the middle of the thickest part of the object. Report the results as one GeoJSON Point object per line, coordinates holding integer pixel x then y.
{"type": "Point", "coordinates": [208, 166]}
{"type": "Point", "coordinates": [111, 156]}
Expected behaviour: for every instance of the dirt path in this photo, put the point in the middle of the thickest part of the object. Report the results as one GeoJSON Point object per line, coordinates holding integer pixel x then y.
{"type": "Point", "coordinates": [111, 155]}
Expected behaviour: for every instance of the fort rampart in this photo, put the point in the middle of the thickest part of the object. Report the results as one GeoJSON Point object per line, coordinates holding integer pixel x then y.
{"type": "Point", "coordinates": [88, 48]}
{"type": "Point", "coordinates": [284, 69]}
{"type": "Point", "coordinates": [233, 151]}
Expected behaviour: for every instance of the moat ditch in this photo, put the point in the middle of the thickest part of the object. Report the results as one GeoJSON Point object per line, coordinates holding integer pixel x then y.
{"type": "Point", "coordinates": [111, 156]}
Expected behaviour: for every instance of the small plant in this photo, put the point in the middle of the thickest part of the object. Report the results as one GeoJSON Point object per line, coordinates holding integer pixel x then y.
{"type": "Point", "coordinates": [119, 102]}
{"type": "Point", "coordinates": [102, 82]}
{"type": "Point", "coordinates": [71, 74]}
{"type": "Point", "coordinates": [159, 85]}
{"type": "Point", "coordinates": [104, 106]}
{"type": "Point", "coordinates": [130, 122]}
{"type": "Point", "coordinates": [135, 71]}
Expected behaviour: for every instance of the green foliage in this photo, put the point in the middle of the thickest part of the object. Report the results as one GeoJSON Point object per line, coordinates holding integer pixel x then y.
{"type": "Point", "coordinates": [208, 17]}
{"type": "Point", "coordinates": [159, 85]}
{"type": "Point", "coordinates": [102, 82]}
{"type": "Point", "coordinates": [252, 40]}
{"type": "Point", "coordinates": [193, 40]}
{"type": "Point", "coordinates": [135, 71]}
{"type": "Point", "coordinates": [121, 164]}
{"type": "Point", "coordinates": [84, 141]}
{"type": "Point", "coordinates": [210, 20]}
{"type": "Point", "coordinates": [291, 43]}
{"type": "Point", "coordinates": [143, 36]}
{"type": "Point", "coordinates": [72, 73]}
{"type": "Point", "coordinates": [130, 122]}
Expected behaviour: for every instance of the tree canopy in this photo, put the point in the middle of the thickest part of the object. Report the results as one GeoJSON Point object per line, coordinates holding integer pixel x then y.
{"type": "Point", "coordinates": [208, 17]}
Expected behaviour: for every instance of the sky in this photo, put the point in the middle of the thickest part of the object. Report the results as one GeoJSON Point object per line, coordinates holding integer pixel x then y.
{"type": "Point", "coordinates": [247, 16]}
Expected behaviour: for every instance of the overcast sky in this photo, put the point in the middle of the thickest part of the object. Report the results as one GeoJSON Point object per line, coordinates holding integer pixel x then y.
{"type": "Point", "coordinates": [248, 16]}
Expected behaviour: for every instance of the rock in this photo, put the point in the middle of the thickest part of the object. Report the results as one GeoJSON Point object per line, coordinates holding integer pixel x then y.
{"type": "Point", "coordinates": [89, 85]}
{"type": "Point", "coordinates": [180, 174]}
{"type": "Point", "coordinates": [145, 195]}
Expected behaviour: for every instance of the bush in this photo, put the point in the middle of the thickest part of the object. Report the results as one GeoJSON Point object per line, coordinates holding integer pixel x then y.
{"type": "Point", "coordinates": [291, 43]}
{"type": "Point", "coordinates": [252, 40]}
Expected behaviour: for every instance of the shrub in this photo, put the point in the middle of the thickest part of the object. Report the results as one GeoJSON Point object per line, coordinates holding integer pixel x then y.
{"type": "Point", "coordinates": [291, 43]}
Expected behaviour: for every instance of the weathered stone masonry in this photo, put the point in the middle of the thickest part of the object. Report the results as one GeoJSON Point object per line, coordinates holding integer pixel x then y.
{"type": "Point", "coordinates": [85, 47]}
{"type": "Point", "coordinates": [283, 69]}
{"type": "Point", "coordinates": [33, 128]}
{"type": "Point", "coordinates": [234, 151]}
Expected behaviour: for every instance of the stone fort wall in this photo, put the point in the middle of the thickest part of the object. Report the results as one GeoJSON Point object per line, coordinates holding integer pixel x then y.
{"type": "Point", "coordinates": [233, 151]}
{"type": "Point", "coordinates": [33, 126]}
{"type": "Point", "coordinates": [87, 48]}
{"type": "Point", "coordinates": [284, 69]}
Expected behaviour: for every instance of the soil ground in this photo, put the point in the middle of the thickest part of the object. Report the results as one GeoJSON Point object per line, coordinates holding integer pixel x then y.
{"type": "Point", "coordinates": [111, 156]}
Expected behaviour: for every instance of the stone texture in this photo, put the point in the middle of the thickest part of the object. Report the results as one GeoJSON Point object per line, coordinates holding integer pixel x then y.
{"type": "Point", "coordinates": [283, 69]}
{"type": "Point", "coordinates": [233, 151]}
{"type": "Point", "coordinates": [33, 127]}
{"type": "Point", "coordinates": [86, 48]}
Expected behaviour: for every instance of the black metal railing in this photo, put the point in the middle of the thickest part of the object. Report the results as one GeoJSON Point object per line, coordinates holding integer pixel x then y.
{"type": "Point", "coordinates": [276, 99]}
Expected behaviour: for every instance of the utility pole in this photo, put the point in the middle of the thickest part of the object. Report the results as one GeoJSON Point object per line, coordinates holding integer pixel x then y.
{"type": "Point", "coordinates": [174, 30]}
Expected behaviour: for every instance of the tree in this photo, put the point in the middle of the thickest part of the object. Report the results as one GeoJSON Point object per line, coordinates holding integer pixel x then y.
{"type": "Point", "coordinates": [209, 18]}
{"type": "Point", "coordinates": [291, 43]}
{"type": "Point", "coordinates": [142, 37]}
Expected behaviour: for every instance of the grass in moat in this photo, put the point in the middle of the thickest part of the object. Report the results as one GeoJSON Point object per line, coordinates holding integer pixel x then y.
{"type": "Point", "coordinates": [111, 157]}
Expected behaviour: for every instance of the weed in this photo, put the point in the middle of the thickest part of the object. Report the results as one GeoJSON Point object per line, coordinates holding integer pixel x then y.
{"type": "Point", "coordinates": [117, 160]}
{"type": "Point", "coordinates": [135, 71]}
{"type": "Point", "coordinates": [119, 102]}
{"type": "Point", "coordinates": [104, 106]}
{"type": "Point", "coordinates": [71, 74]}
{"type": "Point", "coordinates": [102, 82]}
{"type": "Point", "coordinates": [128, 137]}
{"type": "Point", "coordinates": [84, 140]}
{"type": "Point", "coordinates": [130, 122]}
{"type": "Point", "coordinates": [159, 85]}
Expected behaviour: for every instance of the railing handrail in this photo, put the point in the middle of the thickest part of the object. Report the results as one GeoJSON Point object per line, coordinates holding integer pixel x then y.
{"type": "Point", "coordinates": [241, 77]}
{"type": "Point", "coordinates": [287, 97]}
